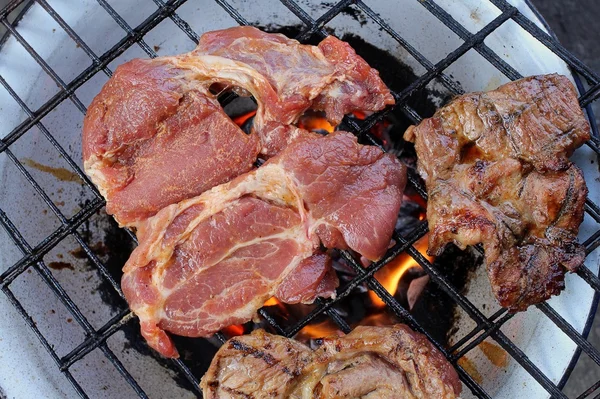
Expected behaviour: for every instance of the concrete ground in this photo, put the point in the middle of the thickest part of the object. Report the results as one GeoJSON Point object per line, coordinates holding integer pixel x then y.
{"type": "Point", "coordinates": [575, 22]}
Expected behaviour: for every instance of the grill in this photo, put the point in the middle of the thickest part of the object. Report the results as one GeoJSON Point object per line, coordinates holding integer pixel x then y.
{"type": "Point", "coordinates": [68, 227]}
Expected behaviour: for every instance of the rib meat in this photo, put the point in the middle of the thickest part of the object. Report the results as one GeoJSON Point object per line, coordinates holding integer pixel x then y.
{"type": "Point", "coordinates": [213, 260]}
{"type": "Point", "coordinates": [497, 172]}
{"type": "Point", "coordinates": [155, 134]}
{"type": "Point", "coordinates": [370, 362]}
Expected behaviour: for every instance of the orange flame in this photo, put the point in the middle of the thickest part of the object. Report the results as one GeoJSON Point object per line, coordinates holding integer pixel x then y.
{"type": "Point", "coordinates": [324, 329]}
{"type": "Point", "coordinates": [271, 302]}
{"type": "Point", "coordinates": [390, 275]}
{"type": "Point", "coordinates": [234, 330]}
{"type": "Point", "coordinates": [240, 120]}
{"type": "Point", "coordinates": [314, 122]}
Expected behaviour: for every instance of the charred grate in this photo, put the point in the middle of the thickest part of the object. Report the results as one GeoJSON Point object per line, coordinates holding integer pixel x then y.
{"type": "Point", "coordinates": [32, 257]}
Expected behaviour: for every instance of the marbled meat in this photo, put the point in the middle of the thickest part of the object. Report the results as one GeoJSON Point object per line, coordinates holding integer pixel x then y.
{"type": "Point", "coordinates": [213, 260]}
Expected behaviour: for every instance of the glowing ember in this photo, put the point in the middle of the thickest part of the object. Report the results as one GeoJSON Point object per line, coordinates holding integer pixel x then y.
{"type": "Point", "coordinates": [326, 328]}
{"type": "Point", "coordinates": [315, 122]}
{"type": "Point", "coordinates": [234, 330]}
{"type": "Point", "coordinates": [390, 275]}
{"type": "Point", "coordinates": [240, 120]}
{"type": "Point", "coordinates": [271, 302]}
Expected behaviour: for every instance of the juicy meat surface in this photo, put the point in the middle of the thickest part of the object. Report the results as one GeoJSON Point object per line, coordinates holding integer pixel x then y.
{"type": "Point", "coordinates": [496, 165]}
{"type": "Point", "coordinates": [155, 134]}
{"type": "Point", "coordinates": [370, 362]}
{"type": "Point", "coordinates": [213, 260]}
{"type": "Point", "coordinates": [152, 138]}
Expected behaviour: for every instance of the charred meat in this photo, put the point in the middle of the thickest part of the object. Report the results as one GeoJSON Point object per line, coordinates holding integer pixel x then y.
{"type": "Point", "coordinates": [370, 362]}
{"type": "Point", "coordinates": [497, 170]}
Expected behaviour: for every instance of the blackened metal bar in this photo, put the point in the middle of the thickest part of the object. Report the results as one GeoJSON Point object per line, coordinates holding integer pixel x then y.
{"type": "Point", "coordinates": [323, 19]}
{"type": "Point", "coordinates": [94, 341]}
{"type": "Point", "coordinates": [43, 64]}
{"type": "Point", "coordinates": [589, 277]}
{"type": "Point", "coordinates": [590, 391]}
{"type": "Point", "coordinates": [181, 24]}
{"type": "Point", "coordinates": [32, 325]}
{"type": "Point", "coordinates": [592, 209]}
{"type": "Point", "coordinates": [568, 329]}
{"type": "Point", "coordinates": [450, 84]}
{"type": "Point", "coordinates": [464, 34]}
{"type": "Point", "coordinates": [187, 373]}
{"type": "Point", "coordinates": [84, 76]}
{"type": "Point", "coordinates": [480, 338]}
{"type": "Point", "coordinates": [82, 44]}
{"type": "Point", "coordinates": [123, 371]}
{"type": "Point", "coordinates": [48, 243]}
{"type": "Point", "coordinates": [98, 263]}
{"type": "Point", "coordinates": [592, 243]}
{"type": "Point", "coordinates": [405, 316]}
{"type": "Point", "coordinates": [125, 26]}
{"type": "Point", "coordinates": [478, 317]}
{"type": "Point", "coordinates": [298, 11]}
{"type": "Point", "coordinates": [10, 7]}
{"type": "Point", "coordinates": [548, 41]}
{"type": "Point", "coordinates": [453, 56]}
{"type": "Point", "coordinates": [265, 315]}
{"type": "Point", "coordinates": [474, 332]}
{"type": "Point", "coordinates": [232, 12]}
{"type": "Point", "coordinates": [592, 94]}
{"type": "Point", "coordinates": [50, 138]}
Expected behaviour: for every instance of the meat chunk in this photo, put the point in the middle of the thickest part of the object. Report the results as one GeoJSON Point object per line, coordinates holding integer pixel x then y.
{"type": "Point", "coordinates": [155, 134]}
{"type": "Point", "coordinates": [330, 77]}
{"type": "Point", "coordinates": [213, 260]}
{"type": "Point", "coordinates": [152, 138]}
{"type": "Point", "coordinates": [370, 362]}
{"type": "Point", "coordinates": [497, 172]}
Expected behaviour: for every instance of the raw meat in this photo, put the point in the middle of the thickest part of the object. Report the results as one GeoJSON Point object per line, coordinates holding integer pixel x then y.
{"type": "Point", "coordinates": [213, 260]}
{"type": "Point", "coordinates": [155, 134]}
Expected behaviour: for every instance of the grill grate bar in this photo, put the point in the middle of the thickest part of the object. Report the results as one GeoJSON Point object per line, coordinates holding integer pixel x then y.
{"type": "Point", "coordinates": [40, 61]}
{"type": "Point", "coordinates": [125, 26]}
{"type": "Point", "coordinates": [181, 24]}
{"type": "Point", "coordinates": [590, 391]}
{"type": "Point", "coordinates": [592, 243]}
{"type": "Point", "coordinates": [480, 338]}
{"type": "Point", "coordinates": [547, 40]}
{"type": "Point", "coordinates": [464, 34]}
{"type": "Point", "coordinates": [485, 326]}
{"type": "Point", "coordinates": [32, 325]}
{"type": "Point", "coordinates": [450, 84]}
{"type": "Point", "coordinates": [83, 45]}
{"type": "Point", "coordinates": [94, 341]}
{"type": "Point", "coordinates": [565, 327]}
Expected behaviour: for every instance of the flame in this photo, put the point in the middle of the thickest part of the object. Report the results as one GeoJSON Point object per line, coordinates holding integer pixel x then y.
{"type": "Point", "coordinates": [240, 120]}
{"type": "Point", "coordinates": [234, 330]}
{"type": "Point", "coordinates": [390, 275]}
{"type": "Point", "coordinates": [323, 329]}
{"type": "Point", "coordinates": [271, 302]}
{"type": "Point", "coordinates": [314, 122]}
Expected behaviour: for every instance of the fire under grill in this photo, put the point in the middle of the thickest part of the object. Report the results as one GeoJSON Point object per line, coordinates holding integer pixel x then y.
{"type": "Point", "coordinates": [382, 292]}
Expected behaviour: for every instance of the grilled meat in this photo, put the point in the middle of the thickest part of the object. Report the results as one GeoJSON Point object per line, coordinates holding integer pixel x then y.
{"type": "Point", "coordinates": [496, 165]}
{"type": "Point", "coordinates": [213, 260]}
{"type": "Point", "coordinates": [156, 135]}
{"type": "Point", "coordinates": [370, 362]}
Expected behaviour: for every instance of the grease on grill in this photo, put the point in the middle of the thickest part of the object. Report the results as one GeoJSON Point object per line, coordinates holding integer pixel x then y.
{"type": "Point", "coordinates": [60, 265]}
{"type": "Point", "coordinates": [62, 174]}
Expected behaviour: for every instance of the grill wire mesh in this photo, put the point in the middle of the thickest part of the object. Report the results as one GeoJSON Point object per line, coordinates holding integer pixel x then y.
{"type": "Point", "coordinates": [32, 257]}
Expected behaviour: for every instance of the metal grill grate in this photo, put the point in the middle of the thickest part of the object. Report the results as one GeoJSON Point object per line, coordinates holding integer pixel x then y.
{"type": "Point", "coordinates": [32, 257]}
